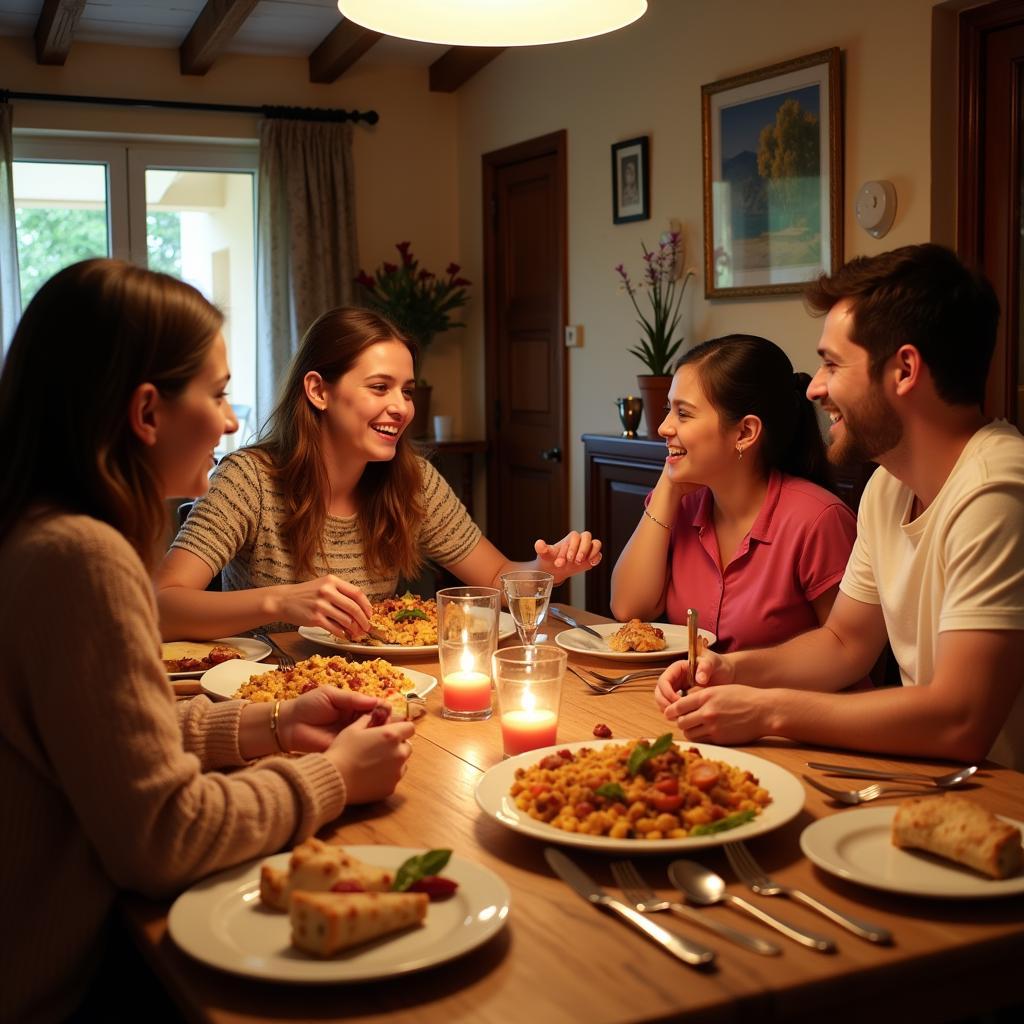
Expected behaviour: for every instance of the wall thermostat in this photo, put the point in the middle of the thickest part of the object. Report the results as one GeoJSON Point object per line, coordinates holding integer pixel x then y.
{"type": "Point", "coordinates": [876, 207]}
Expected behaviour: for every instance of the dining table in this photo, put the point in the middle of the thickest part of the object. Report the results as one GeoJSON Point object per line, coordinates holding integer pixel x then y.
{"type": "Point", "coordinates": [559, 958]}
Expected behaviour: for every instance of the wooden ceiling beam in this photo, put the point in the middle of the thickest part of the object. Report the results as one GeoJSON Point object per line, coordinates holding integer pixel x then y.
{"type": "Point", "coordinates": [211, 32]}
{"type": "Point", "coordinates": [55, 30]}
{"type": "Point", "coordinates": [459, 64]}
{"type": "Point", "coordinates": [339, 51]}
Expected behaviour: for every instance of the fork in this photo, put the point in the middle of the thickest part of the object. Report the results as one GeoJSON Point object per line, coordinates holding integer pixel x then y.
{"type": "Point", "coordinates": [750, 872]}
{"type": "Point", "coordinates": [639, 894]}
{"type": "Point", "coordinates": [643, 673]}
{"type": "Point", "coordinates": [597, 687]}
{"type": "Point", "coordinates": [862, 796]}
{"type": "Point", "coordinates": [284, 659]}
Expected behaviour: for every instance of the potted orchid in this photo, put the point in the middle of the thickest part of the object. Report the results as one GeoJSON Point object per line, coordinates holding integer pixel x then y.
{"type": "Point", "coordinates": [663, 284]}
{"type": "Point", "coordinates": [419, 302]}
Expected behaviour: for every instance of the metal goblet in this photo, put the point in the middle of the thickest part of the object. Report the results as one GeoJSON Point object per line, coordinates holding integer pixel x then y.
{"type": "Point", "coordinates": [630, 410]}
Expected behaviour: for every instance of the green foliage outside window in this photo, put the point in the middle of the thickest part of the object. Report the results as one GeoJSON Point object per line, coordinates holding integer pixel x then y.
{"type": "Point", "coordinates": [53, 237]}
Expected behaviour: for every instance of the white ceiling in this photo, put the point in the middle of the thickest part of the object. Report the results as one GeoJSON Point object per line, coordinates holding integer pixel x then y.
{"type": "Point", "coordinates": [280, 28]}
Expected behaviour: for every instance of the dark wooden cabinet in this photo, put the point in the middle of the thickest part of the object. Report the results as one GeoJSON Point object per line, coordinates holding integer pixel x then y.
{"type": "Point", "coordinates": [619, 472]}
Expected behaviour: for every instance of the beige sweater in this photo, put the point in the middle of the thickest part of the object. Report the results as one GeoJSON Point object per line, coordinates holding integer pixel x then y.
{"type": "Point", "coordinates": [106, 780]}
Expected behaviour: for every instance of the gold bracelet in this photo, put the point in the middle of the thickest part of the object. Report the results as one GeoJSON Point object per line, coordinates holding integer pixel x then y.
{"type": "Point", "coordinates": [664, 526]}
{"type": "Point", "coordinates": [275, 722]}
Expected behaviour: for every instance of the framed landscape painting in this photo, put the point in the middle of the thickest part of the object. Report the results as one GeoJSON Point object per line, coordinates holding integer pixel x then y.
{"type": "Point", "coordinates": [630, 181]}
{"type": "Point", "coordinates": [773, 177]}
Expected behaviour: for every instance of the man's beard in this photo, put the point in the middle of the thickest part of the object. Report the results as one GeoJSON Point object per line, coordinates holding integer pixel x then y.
{"type": "Point", "coordinates": [874, 430]}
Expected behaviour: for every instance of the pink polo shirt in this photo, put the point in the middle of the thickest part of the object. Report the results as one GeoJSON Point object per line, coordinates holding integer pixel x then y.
{"type": "Point", "coordinates": [796, 549]}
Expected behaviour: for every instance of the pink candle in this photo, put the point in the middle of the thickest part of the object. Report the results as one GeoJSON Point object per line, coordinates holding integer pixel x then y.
{"type": "Point", "coordinates": [466, 691]}
{"type": "Point", "coordinates": [526, 730]}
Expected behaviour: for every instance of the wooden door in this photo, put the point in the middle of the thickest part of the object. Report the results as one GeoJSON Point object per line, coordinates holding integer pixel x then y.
{"type": "Point", "coordinates": [525, 271]}
{"type": "Point", "coordinates": [991, 179]}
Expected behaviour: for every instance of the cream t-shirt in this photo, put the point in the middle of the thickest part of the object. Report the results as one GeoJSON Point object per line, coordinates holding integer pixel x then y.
{"type": "Point", "coordinates": [959, 565]}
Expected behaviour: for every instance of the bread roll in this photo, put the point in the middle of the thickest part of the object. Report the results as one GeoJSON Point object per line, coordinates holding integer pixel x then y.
{"type": "Point", "coordinates": [959, 830]}
{"type": "Point", "coordinates": [326, 922]}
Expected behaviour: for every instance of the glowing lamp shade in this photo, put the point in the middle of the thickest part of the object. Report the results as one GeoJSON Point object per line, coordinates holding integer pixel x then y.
{"type": "Point", "coordinates": [493, 22]}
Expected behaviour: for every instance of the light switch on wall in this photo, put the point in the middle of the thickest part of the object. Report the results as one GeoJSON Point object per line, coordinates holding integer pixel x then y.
{"type": "Point", "coordinates": [574, 336]}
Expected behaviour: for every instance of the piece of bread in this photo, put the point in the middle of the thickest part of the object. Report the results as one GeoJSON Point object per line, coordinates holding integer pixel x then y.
{"type": "Point", "coordinates": [316, 866]}
{"type": "Point", "coordinates": [959, 830]}
{"type": "Point", "coordinates": [326, 922]}
{"type": "Point", "coordinates": [637, 635]}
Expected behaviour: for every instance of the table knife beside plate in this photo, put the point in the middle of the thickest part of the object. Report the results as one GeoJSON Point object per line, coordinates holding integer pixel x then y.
{"type": "Point", "coordinates": [576, 878]}
{"type": "Point", "coordinates": [557, 613]}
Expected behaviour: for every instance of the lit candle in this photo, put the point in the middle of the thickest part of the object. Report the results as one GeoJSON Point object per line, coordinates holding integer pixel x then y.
{"type": "Point", "coordinates": [467, 690]}
{"type": "Point", "coordinates": [528, 728]}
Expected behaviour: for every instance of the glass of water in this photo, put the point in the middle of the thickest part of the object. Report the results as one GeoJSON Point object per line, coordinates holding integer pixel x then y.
{"type": "Point", "coordinates": [528, 593]}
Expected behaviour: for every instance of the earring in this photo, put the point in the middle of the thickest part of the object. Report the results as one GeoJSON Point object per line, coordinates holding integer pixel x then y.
{"type": "Point", "coordinates": [739, 453]}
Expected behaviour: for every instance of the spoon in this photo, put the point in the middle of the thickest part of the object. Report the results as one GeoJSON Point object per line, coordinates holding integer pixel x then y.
{"type": "Point", "coordinates": [947, 781]}
{"type": "Point", "coordinates": [702, 885]}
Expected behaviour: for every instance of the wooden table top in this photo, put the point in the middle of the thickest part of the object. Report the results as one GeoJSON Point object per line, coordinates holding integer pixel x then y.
{"type": "Point", "coordinates": [562, 960]}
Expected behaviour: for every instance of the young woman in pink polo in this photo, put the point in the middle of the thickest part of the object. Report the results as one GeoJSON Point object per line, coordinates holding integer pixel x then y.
{"type": "Point", "coordinates": [740, 525]}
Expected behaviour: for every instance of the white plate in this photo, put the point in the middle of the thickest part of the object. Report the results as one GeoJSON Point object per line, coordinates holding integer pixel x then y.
{"type": "Point", "coordinates": [857, 845]}
{"type": "Point", "coordinates": [221, 681]}
{"type": "Point", "coordinates": [221, 922]}
{"type": "Point", "coordinates": [676, 637]}
{"type": "Point", "coordinates": [506, 628]}
{"type": "Point", "coordinates": [252, 650]}
{"type": "Point", "coordinates": [492, 794]}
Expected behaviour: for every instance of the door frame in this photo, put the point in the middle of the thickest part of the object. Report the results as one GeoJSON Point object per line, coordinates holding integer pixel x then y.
{"type": "Point", "coordinates": [982, 240]}
{"type": "Point", "coordinates": [553, 145]}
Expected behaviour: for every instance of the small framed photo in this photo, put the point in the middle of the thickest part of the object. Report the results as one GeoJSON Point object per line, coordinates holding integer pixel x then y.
{"type": "Point", "coordinates": [630, 181]}
{"type": "Point", "coordinates": [773, 177]}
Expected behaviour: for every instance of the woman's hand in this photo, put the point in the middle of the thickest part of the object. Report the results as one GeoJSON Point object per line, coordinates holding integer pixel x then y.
{"type": "Point", "coordinates": [371, 758]}
{"type": "Point", "coordinates": [329, 602]}
{"type": "Point", "coordinates": [712, 670]}
{"type": "Point", "coordinates": [311, 722]}
{"type": "Point", "coordinates": [575, 552]}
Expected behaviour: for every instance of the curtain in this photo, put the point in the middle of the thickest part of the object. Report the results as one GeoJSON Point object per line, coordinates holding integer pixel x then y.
{"type": "Point", "coordinates": [10, 289]}
{"type": "Point", "coordinates": [306, 259]}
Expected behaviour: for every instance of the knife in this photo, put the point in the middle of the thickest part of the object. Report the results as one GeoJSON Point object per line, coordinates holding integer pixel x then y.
{"type": "Point", "coordinates": [682, 949]}
{"type": "Point", "coordinates": [557, 613]}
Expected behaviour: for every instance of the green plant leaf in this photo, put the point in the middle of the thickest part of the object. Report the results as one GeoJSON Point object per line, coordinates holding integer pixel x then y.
{"type": "Point", "coordinates": [430, 863]}
{"type": "Point", "coordinates": [644, 751]}
{"type": "Point", "coordinates": [723, 824]}
{"type": "Point", "coordinates": [611, 791]}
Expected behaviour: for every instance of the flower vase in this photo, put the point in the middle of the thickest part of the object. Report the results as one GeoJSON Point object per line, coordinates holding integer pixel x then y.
{"type": "Point", "coordinates": [654, 390]}
{"type": "Point", "coordinates": [420, 426]}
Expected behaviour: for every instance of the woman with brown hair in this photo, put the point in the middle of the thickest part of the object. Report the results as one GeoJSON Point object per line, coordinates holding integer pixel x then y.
{"type": "Point", "coordinates": [740, 525]}
{"type": "Point", "coordinates": [111, 399]}
{"type": "Point", "coordinates": [332, 506]}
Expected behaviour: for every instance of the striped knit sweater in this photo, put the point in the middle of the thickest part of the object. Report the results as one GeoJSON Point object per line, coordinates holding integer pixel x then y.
{"type": "Point", "coordinates": [236, 529]}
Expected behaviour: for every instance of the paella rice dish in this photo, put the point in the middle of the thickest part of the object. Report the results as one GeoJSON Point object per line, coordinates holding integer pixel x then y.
{"type": "Point", "coordinates": [407, 621]}
{"type": "Point", "coordinates": [376, 678]}
{"type": "Point", "coordinates": [638, 790]}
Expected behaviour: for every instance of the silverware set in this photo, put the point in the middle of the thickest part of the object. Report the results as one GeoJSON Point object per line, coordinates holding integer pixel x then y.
{"type": "Point", "coordinates": [906, 783]}
{"type": "Point", "coordinates": [702, 887]}
{"type": "Point", "coordinates": [608, 684]}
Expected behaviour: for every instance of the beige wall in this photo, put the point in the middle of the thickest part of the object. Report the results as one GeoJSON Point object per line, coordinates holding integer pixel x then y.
{"type": "Point", "coordinates": [645, 80]}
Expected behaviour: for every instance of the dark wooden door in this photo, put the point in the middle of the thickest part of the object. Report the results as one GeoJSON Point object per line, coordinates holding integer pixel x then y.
{"type": "Point", "coordinates": [525, 273]}
{"type": "Point", "coordinates": [991, 179]}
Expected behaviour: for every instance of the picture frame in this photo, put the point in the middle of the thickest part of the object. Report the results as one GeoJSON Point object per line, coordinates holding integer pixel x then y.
{"type": "Point", "coordinates": [630, 181]}
{"type": "Point", "coordinates": [773, 177]}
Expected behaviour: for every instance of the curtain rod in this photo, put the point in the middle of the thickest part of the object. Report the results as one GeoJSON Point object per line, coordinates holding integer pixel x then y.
{"type": "Point", "coordinates": [291, 113]}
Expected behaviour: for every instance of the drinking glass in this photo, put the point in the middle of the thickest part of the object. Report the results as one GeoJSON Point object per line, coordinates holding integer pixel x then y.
{"type": "Point", "coordinates": [528, 593]}
{"type": "Point", "coordinates": [529, 684]}
{"type": "Point", "coordinates": [467, 636]}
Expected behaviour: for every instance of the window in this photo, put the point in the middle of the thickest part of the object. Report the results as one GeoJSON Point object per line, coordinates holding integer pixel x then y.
{"type": "Point", "coordinates": [186, 210]}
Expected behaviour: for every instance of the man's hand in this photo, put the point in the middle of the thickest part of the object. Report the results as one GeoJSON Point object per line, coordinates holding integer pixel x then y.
{"type": "Point", "coordinates": [724, 714]}
{"type": "Point", "coordinates": [712, 670]}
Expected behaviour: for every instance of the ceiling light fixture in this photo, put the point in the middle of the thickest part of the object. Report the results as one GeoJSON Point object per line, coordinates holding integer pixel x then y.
{"type": "Point", "coordinates": [493, 22]}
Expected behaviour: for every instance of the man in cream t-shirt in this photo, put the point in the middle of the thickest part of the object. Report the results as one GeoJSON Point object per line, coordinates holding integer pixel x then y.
{"type": "Point", "coordinates": [938, 565]}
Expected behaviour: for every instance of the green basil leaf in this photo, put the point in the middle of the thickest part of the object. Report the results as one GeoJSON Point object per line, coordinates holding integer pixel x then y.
{"type": "Point", "coordinates": [409, 613]}
{"type": "Point", "coordinates": [644, 751]}
{"type": "Point", "coordinates": [611, 791]}
{"type": "Point", "coordinates": [430, 863]}
{"type": "Point", "coordinates": [723, 824]}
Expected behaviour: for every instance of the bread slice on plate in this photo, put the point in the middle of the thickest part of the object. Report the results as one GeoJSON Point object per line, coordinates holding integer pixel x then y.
{"type": "Point", "coordinates": [316, 866]}
{"type": "Point", "coordinates": [959, 830]}
{"type": "Point", "coordinates": [325, 923]}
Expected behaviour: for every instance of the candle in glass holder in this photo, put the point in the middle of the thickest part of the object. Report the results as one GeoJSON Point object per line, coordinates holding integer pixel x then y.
{"type": "Point", "coordinates": [528, 728]}
{"type": "Point", "coordinates": [467, 689]}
